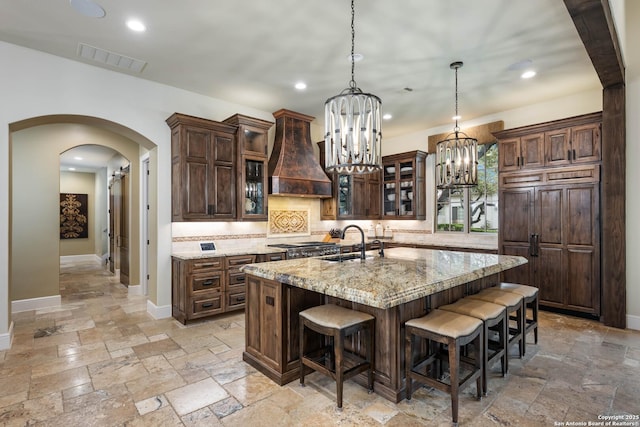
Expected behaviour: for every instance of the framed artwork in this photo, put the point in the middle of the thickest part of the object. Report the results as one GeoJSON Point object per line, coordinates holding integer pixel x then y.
{"type": "Point", "coordinates": [74, 221]}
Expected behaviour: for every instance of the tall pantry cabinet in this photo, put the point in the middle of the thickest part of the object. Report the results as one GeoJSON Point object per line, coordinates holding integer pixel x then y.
{"type": "Point", "coordinates": [550, 209]}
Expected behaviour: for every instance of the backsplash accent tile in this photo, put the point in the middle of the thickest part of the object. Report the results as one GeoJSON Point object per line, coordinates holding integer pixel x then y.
{"type": "Point", "coordinates": [289, 222]}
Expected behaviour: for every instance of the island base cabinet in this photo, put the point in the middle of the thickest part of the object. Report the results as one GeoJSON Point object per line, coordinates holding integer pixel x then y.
{"type": "Point", "coordinates": [272, 327]}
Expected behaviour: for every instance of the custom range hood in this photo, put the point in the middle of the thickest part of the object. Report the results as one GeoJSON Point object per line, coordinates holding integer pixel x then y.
{"type": "Point", "coordinates": [294, 170]}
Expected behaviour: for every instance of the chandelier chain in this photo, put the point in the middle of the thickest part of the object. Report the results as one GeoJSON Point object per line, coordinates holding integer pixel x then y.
{"type": "Point", "coordinates": [352, 83]}
{"type": "Point", "coordinates": [457, 128]}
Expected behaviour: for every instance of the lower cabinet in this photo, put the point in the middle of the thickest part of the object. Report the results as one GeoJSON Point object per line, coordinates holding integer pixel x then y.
{"type": "Point", "coordinates": [210, 286]}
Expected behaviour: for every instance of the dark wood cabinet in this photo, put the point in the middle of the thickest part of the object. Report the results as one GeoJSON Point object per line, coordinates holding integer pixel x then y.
{"type": "Point", "coordinates": [251, 175]}
{"type": "Point", "coordinates": [354, 196]}
{"type": "Point", "coordinates": [203, 185]}
{"type": "Point", "coordinates": [521, 152]}
{"type": "Point", "coordinates": [404, 186]}
{"type": "Point", "coordinates": [197, 288]}
{"type": "Point", "coordinates": [234, 292]}
{"type": "Point", "coordinates": [551, 216]}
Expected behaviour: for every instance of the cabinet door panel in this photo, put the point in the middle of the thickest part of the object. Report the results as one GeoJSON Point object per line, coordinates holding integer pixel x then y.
{"type": "Point", "coordinates": [223, 150]}
{"type": "Point", "coordinates": [550, 275]}
{"type": "Point", "coordinates": [252, 314]}
{"type": "Point", "coordinates": [270, 325]}
{"type": "Point", "coordinates": [196, 198]}
{"type": "Point", "coordinates": [582, 280]}
{"type": "Point", "coordinates": [197, 144]}
{"type": "Point", "coordinates": [509, 156]}
{"type": "Point", "coordinates": [557, 147]}
{"type": "Point", "coordinates": [523, 273]}
{"type": "Point", "coordinates": [532, 150]}
{"type": "Point", "coordinates": [585, 143]}
{"type": "Point", "coordinates": [549, 214]}
{"type": "Point", "coordinates": [581, 222]}
{"type": "Point", "coordinates": [224, 190]}
{"type": "Point", "coordinates": [516, 209]}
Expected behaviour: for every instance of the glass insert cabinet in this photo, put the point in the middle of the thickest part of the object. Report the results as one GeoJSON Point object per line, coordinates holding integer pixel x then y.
{"type": "Point", "coordinates": [403, 186]}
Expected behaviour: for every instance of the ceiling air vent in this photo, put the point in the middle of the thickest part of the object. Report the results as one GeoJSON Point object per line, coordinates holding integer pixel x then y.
{"type": "Point", "coordinates": [110, 58]}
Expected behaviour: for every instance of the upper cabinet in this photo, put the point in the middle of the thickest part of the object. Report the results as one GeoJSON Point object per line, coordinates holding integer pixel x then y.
{"type": "Point", "coordinates": [569, 141]}
{"type": "Point", "coordinates": [354, 196]}
{"type": "Point", "coordinates": [252, 136]}
{"type": "Point", "coordinates": [218, 169]}
{"type": "Point", "coordinates": [404, 186]}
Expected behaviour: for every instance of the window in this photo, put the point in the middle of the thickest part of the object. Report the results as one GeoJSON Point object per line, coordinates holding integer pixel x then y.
{"type": "Point", "coordinates": [472, 209]}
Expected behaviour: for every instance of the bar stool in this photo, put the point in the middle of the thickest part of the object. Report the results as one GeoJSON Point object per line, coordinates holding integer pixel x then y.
{"type": "Point", "coordinates": [514, 304]}
{"type": "Point", "coordinates": [494, 317]}
{"type": "Point", "coordinates": [530, 295]}
{"type": "Point", "coordinates": [455, 330]}
{"type": "Point", "coordinates": [333, 360]}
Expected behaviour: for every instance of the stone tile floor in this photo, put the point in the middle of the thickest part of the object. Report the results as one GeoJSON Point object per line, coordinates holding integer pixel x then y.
{"type": "Point", "coordinates": [100, 359]}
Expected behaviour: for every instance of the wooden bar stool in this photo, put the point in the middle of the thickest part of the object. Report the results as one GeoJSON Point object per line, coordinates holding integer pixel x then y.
{"type": "Point", "coordinates": [494, 317]}
{"type": "Point", "coordinates": [455, 330]}
{"type": "Point", "coordinates": [514, 304]}
{"type": "Point", "coordinates": [333, 360]}
{"type": "Point", "coordinates": [530, 295]}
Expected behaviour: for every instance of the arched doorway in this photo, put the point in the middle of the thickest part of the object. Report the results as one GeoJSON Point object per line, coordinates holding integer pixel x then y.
{"type": "Point", "coordinates": [34, 188]}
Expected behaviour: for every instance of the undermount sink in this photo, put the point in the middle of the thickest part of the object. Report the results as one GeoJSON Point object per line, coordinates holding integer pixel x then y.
{"type": "Point", "coordinates": [345, 257]}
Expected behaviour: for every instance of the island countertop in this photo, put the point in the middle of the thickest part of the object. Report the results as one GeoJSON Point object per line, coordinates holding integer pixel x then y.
{"type": "Point", "coordinates": [401, 276]}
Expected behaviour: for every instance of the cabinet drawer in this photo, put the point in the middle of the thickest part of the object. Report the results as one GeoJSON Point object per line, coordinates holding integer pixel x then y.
{"type": "Point", "coordinates": [206, 306]}
{"type": "Point", "coordinates": [272, 257]}
{"type": "Point", "coordinates": [206, 282]}
{"type": "Point", "coordinates": [236, 299]}
{"type": "Point", "coordinates": [235, 278]}
{"type": "Point", "coordinates": [207, 264]}
{"type": "Point", "coordinates": [239, 260]}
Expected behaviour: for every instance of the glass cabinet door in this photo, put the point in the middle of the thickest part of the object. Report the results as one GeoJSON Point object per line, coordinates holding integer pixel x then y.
{"type": "Point", "coordinates": [405, 205]}
{"type": "Point", "coordinates": [345, 196]}
{"type": "Point", "coordinates": [389, 191]}
{"type": "Point", "coordinates": [254, 188]}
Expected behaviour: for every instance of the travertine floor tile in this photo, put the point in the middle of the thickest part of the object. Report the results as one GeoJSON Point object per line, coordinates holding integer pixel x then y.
{"type": "Point", "coordinates": [100, 359]}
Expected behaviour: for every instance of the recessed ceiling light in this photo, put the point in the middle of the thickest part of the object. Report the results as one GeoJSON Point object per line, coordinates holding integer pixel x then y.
{"type": "Point", "coordinates": [77, 158]}
{"type": "Point", "coordinates": [528, 74]}
{"type": "Point", "coordinates": [136, 25]}
{"type": "Point", "coordinates": [72, 169]}
{"type": "Point", "coordinates": [387, 116]}
{"type": "Point", "coordinates": [88, 8]}
{"type": "Point", "coordinates": [357, 57]}
{"type": "Point", "coordinates": [301, 86]}
{"type": "Point", "coordinates": [456, 118]}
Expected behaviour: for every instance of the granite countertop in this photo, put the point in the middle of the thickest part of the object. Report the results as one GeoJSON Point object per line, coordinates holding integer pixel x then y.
{"type": "Point", "coordinates": [252, 250]}
{"type": "Point", "coordinates": [403, 275]}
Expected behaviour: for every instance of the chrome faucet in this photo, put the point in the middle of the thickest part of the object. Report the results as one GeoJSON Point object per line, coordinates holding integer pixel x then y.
{"type": "Point", "coordinates": [363, 247]}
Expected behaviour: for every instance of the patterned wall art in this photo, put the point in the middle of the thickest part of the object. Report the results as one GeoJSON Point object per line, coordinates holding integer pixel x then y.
{"type": "Point", "coordinates": [74, 221]}
{"type": "Point", "coordinates": [289, 223]}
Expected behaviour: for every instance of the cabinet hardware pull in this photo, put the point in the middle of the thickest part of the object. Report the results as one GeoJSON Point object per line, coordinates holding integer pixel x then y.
{"type": "Point", "coordinates": [532, 249]}
{"type": "Point", "coordinates": [518, 161]}
{"type": "Point", "coordinates": [240, 298]}
{"type": "Point", "coordinates": [207, 305]}
{"type": "Point", "coordinates": [240, 278]}
{"type": "Point", "coordinates": [270, 301]}
{"type": "Point", "coordinates": [207, 283]}
{"type": "Point", "coordinates": [569, 154]}
{"type": "Point", "coordinates": [574, 154]}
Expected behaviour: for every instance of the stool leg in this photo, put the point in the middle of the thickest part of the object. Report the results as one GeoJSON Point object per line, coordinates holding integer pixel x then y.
{"type": "Point", "coordinates": [482, 355]}
{"type": "Point", "coordinates": [504, 342]}
{"type": "Point", "coordinates": [454, 359]}
{"type": "Point", "coordinates": [408, 357]}
{"type": "Point", "coordinates": [522, 314]}
{"type": "Point", "coordinates": [301, 352]}
{"type": "Point", "coordinates": [534, 309]}
{"type": "Point", "coordinates": [338, 349]}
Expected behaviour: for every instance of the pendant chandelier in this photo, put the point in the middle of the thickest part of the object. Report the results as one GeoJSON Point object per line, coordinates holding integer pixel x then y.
{"type": "Point", "coordinates": [457, 154]}
{"type": "Point", "coordinates": [352, 126]}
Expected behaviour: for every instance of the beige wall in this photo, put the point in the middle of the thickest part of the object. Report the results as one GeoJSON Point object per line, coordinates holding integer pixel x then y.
{"type": "Point", "coordinates": [81, 183]}
{"type": "Point", "coordinates": [34, 206]}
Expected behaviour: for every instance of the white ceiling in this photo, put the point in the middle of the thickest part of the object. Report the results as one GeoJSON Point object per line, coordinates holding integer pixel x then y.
{"type": "Point", "coordinates": [86, 158]}
{"type": "Point", "coordinates": [252, 52]}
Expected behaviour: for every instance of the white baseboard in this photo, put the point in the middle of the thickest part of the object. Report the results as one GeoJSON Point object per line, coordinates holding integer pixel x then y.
{"type": "Point", "coordinates": [633, 322]}
{"type": "Point", "coordinates": [156, 312]}
{"type": "Point", "coordinates": [134, 289]}
{"type": "Point", "coordinates": [80, 258]}
{"type": "Point", "coordinates": [35, 303]}
{"type": "Point", "coordinates": [7, 338]}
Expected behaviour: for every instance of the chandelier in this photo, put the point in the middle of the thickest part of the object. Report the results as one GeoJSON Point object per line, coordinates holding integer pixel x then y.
{"type": "Point", "coordinates": [457, 154]}
{"type": "Point", "coordinates": [352, 126]}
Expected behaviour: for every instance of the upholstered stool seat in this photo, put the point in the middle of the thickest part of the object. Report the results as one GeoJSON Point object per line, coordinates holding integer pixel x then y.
{"type": "Point", "coordinates": [494, 317]}
{"type": "Point", "coordinates": [530, 295]}
{"type": "Point", "coordinates": [514, 304]}
{"type": "Point", "coordinates": [441, 327]}
{"type": "Point", "coordinates": [333, 360]}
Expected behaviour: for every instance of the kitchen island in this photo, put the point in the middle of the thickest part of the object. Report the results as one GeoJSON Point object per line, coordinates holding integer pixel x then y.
{"type": "Point", "coordinates": [404, 284]}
